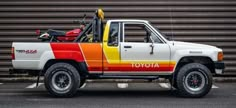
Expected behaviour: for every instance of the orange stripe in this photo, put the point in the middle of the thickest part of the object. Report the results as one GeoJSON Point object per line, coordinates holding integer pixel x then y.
{"type": "Point", "coordinates": [93, 55]}
{"type": "Point", "coordinates": [94, 58]}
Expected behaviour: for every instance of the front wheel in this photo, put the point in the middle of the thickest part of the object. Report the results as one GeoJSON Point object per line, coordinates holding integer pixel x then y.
{"type": "Point", "coordinates": [194, 80]}
{"type": "Point", "coordinates": [62, 80]}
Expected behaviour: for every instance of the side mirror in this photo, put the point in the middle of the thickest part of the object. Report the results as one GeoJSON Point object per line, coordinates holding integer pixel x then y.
{"type": "Point", "coordinates": [152, 45]}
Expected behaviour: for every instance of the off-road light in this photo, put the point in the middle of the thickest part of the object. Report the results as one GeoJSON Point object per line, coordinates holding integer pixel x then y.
{"type": "Point", "coordinates": [100, 14]}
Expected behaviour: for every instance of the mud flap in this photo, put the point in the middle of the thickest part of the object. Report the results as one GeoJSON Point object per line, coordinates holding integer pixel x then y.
{"type": "Point", "coordinates": [37, 83]}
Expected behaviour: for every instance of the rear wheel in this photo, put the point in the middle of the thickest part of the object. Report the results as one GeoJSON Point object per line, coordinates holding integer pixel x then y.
{"type": "Point", "coordinates": [194, 80]}
{"type": "Point", "coordinates": [62, 79]}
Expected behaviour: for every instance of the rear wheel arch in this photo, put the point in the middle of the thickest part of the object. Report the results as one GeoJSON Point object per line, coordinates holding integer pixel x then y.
{"type": "Point", "coordinates": [80, 66]}
{"type": "Point", "coordinates": [62, 79]}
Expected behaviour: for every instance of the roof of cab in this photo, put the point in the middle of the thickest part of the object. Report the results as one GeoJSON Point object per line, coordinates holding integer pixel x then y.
{"type": "Point", "coordinates": [128, 20]}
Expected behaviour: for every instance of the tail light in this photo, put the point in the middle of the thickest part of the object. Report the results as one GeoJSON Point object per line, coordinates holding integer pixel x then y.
{"type": "Point", "coordinates": [13, 53]}
{"type": "Point", "coordinates": [37, 32]}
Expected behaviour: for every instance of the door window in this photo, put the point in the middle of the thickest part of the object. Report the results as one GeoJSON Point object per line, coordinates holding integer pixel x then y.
{"type": "Point", "coordinates": [113, 34]}
{"type": "Point", "coordinates": [139, 33]}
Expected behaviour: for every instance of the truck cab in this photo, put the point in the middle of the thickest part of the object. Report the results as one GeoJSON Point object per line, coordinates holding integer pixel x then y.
{"type": "Point", "coordinates": [122, 49]}
{"type": "Point", "coordinates": [141, 53]}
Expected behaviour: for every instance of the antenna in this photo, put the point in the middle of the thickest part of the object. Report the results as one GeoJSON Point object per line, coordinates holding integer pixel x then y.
{"type": "Point", "coordinates": [171, 25]}
{"type": "Point", "coordinates": [172, 35]}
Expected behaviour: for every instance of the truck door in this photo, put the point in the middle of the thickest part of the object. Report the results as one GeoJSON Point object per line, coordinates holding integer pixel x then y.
{"type": "Point", "coordinates": [111, 39]}
{"type": "Point", "coordinates": [142, 51]}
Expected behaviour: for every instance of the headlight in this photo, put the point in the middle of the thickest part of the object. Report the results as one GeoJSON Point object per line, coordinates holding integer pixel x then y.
{"type": "Point", "coordinates": [220, 56]}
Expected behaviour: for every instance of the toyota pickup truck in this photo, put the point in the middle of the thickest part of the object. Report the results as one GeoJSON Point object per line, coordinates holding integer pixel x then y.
{"type": "Point", "coordinates": [122, 49]}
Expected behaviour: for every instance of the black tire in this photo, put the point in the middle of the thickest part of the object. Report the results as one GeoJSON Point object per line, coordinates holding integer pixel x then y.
{"type": "Point", "coordinates": [59, 74]}
{"type": "Point", "coordinates": [192, 75]}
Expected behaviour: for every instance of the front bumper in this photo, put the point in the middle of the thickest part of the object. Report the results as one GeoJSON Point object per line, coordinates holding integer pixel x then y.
{"type": "Point", "coordinates": [219, 67]}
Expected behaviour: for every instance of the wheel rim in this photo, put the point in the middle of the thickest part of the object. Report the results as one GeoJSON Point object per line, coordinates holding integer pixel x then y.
{"type": "Point", "coordinates": [61, 81]}
{"type": "Point", "coordinates": [195, 81]}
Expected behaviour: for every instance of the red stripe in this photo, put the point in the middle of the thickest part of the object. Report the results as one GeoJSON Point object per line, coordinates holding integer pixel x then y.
{"type": "Point", "coordinates": [131, 69]}
{"type": "Point", "coordinates": [139, 69]}
{"type": "Point", "coordinates": [70, 51]}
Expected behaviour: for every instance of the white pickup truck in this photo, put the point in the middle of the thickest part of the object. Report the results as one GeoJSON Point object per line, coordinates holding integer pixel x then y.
{"type": "Point", "coordinates": [116, 52]}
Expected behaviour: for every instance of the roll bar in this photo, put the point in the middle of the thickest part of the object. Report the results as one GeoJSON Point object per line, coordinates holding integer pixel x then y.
{"type": "Point", "coordinates": [96, 25]}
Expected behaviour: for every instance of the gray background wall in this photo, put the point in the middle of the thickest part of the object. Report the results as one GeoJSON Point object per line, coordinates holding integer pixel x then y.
{"type": "Point", "coordinates": [202, 21]}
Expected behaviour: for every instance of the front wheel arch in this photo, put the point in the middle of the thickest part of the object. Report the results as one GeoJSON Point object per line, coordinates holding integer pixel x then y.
{"type": "Point", "coordinates": [204, 60]}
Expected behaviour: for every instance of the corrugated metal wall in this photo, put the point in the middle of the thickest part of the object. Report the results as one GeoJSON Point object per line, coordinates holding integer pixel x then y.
{"type": "Point", "coordinates": [203, 21]}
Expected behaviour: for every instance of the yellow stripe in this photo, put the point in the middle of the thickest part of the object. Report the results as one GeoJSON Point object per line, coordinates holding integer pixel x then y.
{"type": "Point", "coordinates": [111, 52]}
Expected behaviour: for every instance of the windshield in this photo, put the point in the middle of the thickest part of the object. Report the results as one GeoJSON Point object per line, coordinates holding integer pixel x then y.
{"type": "Point", "coordinates": [166, 37]}
{"type": "Point", "coordinates": [163, 35]}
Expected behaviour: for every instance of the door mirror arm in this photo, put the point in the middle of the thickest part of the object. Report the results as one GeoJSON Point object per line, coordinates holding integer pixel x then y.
{"type": "Point", "coordinates": [152, 45]}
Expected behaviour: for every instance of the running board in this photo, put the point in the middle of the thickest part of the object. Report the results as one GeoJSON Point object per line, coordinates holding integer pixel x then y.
{"type": "Point", "coordinates": [123, 77]}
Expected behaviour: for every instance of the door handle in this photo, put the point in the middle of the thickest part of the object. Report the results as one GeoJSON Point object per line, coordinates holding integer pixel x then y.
{"type": "Point", "coordinates": [127, 46]}
{"type": "Point", "coordinates": [152, 46]}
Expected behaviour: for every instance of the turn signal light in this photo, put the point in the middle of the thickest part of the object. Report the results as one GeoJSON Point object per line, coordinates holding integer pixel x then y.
{"type": "Point", "coordinates": [12, 53]}
{"type": "Point", "coordinates": [220, 56]}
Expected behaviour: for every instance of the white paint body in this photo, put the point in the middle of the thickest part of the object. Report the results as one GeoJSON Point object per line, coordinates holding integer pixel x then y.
{"type": "Point", "coordinates": [168, 50]}
{"type": "Point", "coordinates": [141, 51]}
{"type": "Point", "coordinates": [32, 61]}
